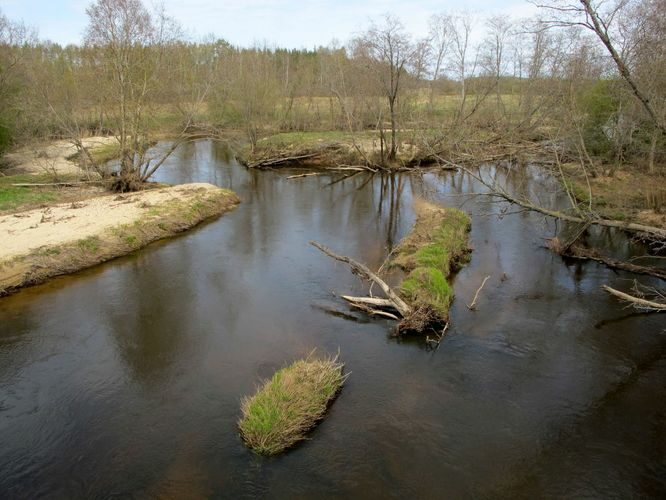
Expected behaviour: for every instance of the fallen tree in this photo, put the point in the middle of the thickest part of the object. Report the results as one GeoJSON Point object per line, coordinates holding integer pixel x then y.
{"type": "Point", "coordinates": [365, 273]}
{"type": "Point", "coordinates": [575, 251]}
{"type": "Point", "coordinates": [435, 248]}
{"type": "Point", "coordinates": [637, 302]}
{"type": "Point", "coordinates": [496, 191]}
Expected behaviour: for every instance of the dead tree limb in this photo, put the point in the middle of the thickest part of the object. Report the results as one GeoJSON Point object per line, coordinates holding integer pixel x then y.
{"type": "Point", "coordinates": [578, 252]}
{"type": "Point", "coordinates": [637, 302]}
{"type": "Point", "coordinates": [370, 301]}
{"type": "Point", "coordinates": [374, 312]}
{"type": "Point", "coordinates": [497, 192]}
{"type": "Point", "coordinates": [365, 273]}
{"type": "Point", "coordinates": [303, 175]}
{"type": "Point", "coordinates": [472, 306]}
{"type": "Point", "coordinates": [281, 160]}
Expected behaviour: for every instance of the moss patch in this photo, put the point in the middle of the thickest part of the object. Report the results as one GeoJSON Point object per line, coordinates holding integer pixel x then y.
{"type": "Point", "coordinates": [160, 221]}
{"type": "Point", "coordinates": [289, 404]}
{"type": "Point", "coordinates": [437, 246]}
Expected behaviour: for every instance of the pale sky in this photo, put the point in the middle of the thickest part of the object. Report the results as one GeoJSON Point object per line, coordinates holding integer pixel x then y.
{"type": "Point", "coordinates": [283, 23]}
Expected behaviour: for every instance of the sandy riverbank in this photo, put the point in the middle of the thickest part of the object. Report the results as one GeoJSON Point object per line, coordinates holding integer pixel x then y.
{"type": "Point", "coordinates": [46, 242]}
{"type": "Point", "coordinates": [52, 157]}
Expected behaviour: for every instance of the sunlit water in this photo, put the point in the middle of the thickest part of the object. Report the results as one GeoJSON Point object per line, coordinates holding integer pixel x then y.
{"type": "Point", "coordinates": [125, 380]}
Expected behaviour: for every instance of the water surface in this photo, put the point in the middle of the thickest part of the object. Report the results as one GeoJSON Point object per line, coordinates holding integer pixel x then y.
{"type": "Point", "coordinates": [125, 380]}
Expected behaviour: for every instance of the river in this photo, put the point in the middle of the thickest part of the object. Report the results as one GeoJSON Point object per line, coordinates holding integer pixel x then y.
{"type": "Point", "coordinates": [125, 380]}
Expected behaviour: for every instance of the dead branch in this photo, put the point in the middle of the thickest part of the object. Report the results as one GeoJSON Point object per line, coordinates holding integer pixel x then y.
{"type": "Point", "coordinates": [438, 338]}
{"type": "Point", "coordinates": [374, 312]}
{"type": "Point", "coordinates": [303, 175]}
{"type": "Point", "coordinates": [637, 302]}
{"type": "Point", "coordinates": [281, 160]}
{"type": "Point", "coordinates": [578, 252]}
{"type": "Point", "coordinates": [365, 273]}
{"type": "Point", "coordinates": [370, 301]}
{"type": "Point", "coordinates": [472, 306]}
{"type": "Point", "coordinates": [496, 191]}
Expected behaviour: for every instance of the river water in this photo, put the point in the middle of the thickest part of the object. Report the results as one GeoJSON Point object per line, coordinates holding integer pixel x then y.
{"type": "Point", "coordinates": [125, 380]}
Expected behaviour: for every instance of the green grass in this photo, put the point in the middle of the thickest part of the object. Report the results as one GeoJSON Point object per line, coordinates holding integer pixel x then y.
{"type": "Point", "coordinates": [90, 244]}
{"type": "Point", "coordinates": [437, 246]}
{"type": "Point", "coordinates": [13, 198]}
{"type": "Point", "coordinates": [105, 153]}
{"type": "Point", "coordinates": [289, 404]}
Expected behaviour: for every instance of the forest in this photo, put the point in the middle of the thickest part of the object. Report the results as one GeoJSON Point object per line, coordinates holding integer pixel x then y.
{"type": "Point", "coordinates": [589, 77]}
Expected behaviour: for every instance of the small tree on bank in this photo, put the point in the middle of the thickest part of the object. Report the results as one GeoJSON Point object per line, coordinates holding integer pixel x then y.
{"type": "Point", "coordinates": [134, 69]}
{"type": "Point", "coordinates": [388, 51]}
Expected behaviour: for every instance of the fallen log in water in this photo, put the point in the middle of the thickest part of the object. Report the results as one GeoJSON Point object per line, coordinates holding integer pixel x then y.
{"type": "Point", "coordinates": [434, 249]}
{"type": "Point", "coordinates": [637, 302]}
{"type": "Point", "coordinates": [282, 160]}
{"type": "Point", "coordinates": [363, 271]}
{"type": "Point", "coordinates": [579, 252]}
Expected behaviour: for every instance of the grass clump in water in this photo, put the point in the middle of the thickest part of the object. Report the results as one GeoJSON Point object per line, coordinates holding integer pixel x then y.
{"type": "Point", "coordinates": [289, 404]}
{"type": "Point", "coordinates": [437, 246]}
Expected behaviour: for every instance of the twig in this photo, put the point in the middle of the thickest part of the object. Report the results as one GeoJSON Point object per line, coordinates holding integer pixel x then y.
{"type": "Point", "coordinates": [438, 339]}
{"type": "Point", "coordinates": [472, 306]}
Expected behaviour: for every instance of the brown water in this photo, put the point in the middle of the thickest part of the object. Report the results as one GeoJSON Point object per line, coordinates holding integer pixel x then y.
{"type": "Point", "coordinates": [125, 380]}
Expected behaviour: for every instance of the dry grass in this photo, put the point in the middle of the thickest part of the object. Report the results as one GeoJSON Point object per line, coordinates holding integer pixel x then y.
{"type": "Point", "coordinates": [628, 194]}
{"type": "Point", "coordinates": [289, 404]}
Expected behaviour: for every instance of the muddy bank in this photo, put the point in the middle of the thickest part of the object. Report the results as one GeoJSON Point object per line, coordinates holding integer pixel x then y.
{"type": "Point", "coordinates": [64, 238]}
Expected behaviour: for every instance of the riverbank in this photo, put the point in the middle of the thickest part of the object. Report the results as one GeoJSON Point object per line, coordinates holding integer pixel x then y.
{"type": "Point", "coordinates": [57, 158]}
{"type": "Point", "coordinates": [64, 238]}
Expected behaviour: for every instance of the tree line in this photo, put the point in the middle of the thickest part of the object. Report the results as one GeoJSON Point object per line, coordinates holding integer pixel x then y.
{"type": "Point", "coordinates": [588, 75]}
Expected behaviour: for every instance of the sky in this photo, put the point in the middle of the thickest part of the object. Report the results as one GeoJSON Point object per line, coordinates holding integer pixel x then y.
{"type": "Point", "coordinates": [283, 23]}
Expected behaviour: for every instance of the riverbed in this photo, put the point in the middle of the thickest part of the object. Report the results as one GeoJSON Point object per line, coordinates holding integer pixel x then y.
{"type": "Point", "coordinates": [125, 380]}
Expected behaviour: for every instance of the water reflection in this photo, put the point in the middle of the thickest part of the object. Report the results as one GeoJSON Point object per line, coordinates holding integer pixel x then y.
{"type": "Point", "coordinates": [126, 379]}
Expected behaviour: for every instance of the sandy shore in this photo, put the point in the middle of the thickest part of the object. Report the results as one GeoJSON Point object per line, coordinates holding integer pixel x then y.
{"type": "Point", "coordinates": [51, 157]}
{"type": "Point", "coordinates": [42, 243]}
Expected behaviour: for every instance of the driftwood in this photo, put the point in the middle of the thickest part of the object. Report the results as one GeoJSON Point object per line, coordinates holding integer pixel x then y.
{"type": "Point", "coordinates": [578, 252]}
{"type": "Point", "coordinates": [282, 160]}
{"type": "Point", "coordinates": [370, 301]}
{"type": "Point", "coordinates": [303, 175]}
{"type": "Point", "coordinates": [374, 312]}
{"type": "Point", "coordinates": [472, 306]}
{"type": "Point", "coordinates": [361, 270]}
{"type": "Point", "coordinates": [637, 302]}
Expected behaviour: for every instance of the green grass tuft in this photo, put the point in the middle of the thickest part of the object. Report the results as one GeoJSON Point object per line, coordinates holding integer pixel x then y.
{"type": "Point", "coordinates": [289, 404]}
{"type": "Point", "coordinates": [437, 246]}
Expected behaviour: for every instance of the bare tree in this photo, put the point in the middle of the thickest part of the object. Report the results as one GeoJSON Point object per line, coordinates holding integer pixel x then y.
{"type": "Point", "coordinates": [388, 50]}
{"type": "Point", "coordinates": [130, 54]}
{"type": "Point", "coordinates": [461, 32]}
{"type": "Point", "coordinates": [440, 39]}
{"type": "Point", "coordinates": [495, 43]}
{"type": "Point", "coordinates": [602, 18]}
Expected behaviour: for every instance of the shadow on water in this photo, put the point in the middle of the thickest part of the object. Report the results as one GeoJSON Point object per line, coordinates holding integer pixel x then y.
{"type": "Point", "coordinates": [125, 380]}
